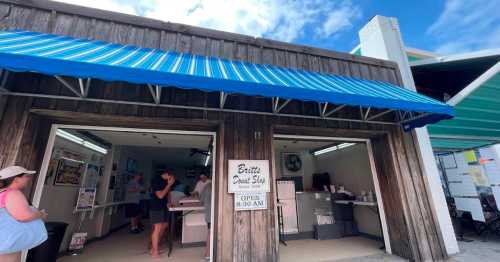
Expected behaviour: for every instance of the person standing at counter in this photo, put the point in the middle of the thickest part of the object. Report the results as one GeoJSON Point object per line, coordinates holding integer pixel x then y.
{"type": "Point", "coordinates": [133, 197]}
{"type": "Point", "coordinates": [161, 187]}
{"type": "Point", "coordinates": [206, 200]}
{"type": "Point", "coordinates": [203, 181]}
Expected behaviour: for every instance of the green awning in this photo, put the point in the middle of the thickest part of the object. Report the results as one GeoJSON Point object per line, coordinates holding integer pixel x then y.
{"type": "Point", "coordinates": [453, 144]}
{"type": "Point", "coordinates": [477, 120]}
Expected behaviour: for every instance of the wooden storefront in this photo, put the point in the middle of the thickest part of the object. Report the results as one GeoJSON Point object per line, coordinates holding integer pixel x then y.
{"type": "Point", "coordinates": [25, 120]}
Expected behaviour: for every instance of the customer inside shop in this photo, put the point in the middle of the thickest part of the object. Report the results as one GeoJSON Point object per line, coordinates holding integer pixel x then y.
{"type": "Point", "coordinates": [327, 204]}
{"type": "Point", "coordinates": [130, 195]}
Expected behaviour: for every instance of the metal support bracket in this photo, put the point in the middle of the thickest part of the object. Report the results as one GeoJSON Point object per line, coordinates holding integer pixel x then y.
{"type": "Point", "coordinates": [4, 74]}
{"type": "Point", "coordinates": [322, 109]}
{"type": "Point", "coordinates": [69, 86]}
{"type": "Point", "coordinates": [84, 87]}
{"type": "Point", "coordinates": [276, 104]}
{"type": "Point", "coordinates": [379, 114]}
{"type": "Point", "coordinates": [365, 116]}
{"type": "Point", "coordinates": [223, 98]}
{"type": "Point", "coordinates": [155, 93]}
{"type": "Point", "coordinates": [334, 110]}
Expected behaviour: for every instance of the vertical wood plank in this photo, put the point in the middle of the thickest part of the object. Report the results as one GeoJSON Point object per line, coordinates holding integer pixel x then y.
{"type": "Point", "coordinates": [12, 129]}
{"type": "Point", "coordinates": [414, 217]}
{"type": "Point", "coordinates": [417, 175]}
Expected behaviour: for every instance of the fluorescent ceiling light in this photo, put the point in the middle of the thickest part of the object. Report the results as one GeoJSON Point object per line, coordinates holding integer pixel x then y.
{"type": "Point", "coordinates": [80, 141]}
{"type": "Point", "coordinates": [69, 136]}
{"type": "Point", "coordinates": [332, 148]}
{"type": "Point", "coordinates": [97, 148]}
{"type": "Point", "coordinates": [207, 158]}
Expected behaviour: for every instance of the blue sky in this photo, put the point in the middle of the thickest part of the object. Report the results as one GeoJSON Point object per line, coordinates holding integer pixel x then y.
{"type": "Point", "coordinates": [441, 26]}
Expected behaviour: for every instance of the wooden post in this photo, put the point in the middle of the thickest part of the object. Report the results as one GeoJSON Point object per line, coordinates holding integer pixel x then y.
{"type": "Point", "coordinates": [245, 235]}
{"type": "Point", "coordinates": [3, 103]}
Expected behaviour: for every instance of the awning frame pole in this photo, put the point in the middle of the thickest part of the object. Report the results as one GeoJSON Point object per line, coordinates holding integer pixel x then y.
{"type": "Point", "coordinates": [379, 114]}
{"type": "Point", "coordinates": [322, 109]}
{"type": "Point", "coordinates": [283, 105]}
{"type": "Point", "coordinates": [367, 113]}
{"type": "Point", "coordinates": [158, 93]}
{"type": "Point", "coordinates": [335, 110]}
{"type": "Point", "coordinates": [155, 93]}
{"type": "Point", "coordinates": [223, 97]}
{"type": "Point", "coordinates": [212, 109]}
{"type": "Point", "coordinates": [275, 100]}
{"type": "Point", "coordinates": [68, 85]}
{"type": "Point", "coordinates": [84, 87]}
{"type": "Point", "coordinates": [414, 118]}
{"type": "Point", "coordinates": [4, 74]}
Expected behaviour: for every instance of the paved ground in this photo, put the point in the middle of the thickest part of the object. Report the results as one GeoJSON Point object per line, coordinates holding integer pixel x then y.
{"type": "Point", "coordinates": [477, 250]}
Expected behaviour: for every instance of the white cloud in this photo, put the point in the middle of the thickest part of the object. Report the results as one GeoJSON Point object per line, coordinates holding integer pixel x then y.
{"type": "Point", "coordinates": [339, 20]}
{"type": "Point", "coordinates": [284, 20]}
{"type": "Point", "coordinates": [467, 25]}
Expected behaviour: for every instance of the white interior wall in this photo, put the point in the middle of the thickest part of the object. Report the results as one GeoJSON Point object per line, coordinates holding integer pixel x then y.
{"type": "Point", "coordinates": [308, 166]}
{"type": "Point", "coordinates": [60, 201]}
{"type": "Point", "coordinates": [144, 166]}
{"type": "Point", "coordinates": [350, 167]}
{"type": "Point", "coordinates": [353, 172]}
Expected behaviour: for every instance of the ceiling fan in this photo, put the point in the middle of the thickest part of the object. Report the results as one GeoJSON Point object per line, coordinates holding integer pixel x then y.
{"type": "Point", "coordinates": [195, 151]}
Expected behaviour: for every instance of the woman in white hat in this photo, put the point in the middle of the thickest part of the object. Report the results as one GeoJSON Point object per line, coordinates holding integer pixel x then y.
{"type": "Point", "coordinates": [21, 226]}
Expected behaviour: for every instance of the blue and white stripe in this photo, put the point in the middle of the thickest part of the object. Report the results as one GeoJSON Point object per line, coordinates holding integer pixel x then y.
{"type": "Point", "coordinates": [168, 68]}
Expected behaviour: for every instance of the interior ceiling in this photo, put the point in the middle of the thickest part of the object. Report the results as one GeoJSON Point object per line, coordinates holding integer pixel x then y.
{"type": "Point", "coordinates": [153, 139]}
{"type": "Point", "coordinates": [301, 145]}
{"type": "Point", "coordinates": [172, 157]}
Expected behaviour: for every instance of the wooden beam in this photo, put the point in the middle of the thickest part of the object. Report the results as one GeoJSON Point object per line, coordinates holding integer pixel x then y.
{"type": "Point", "coordinates": [92, 119]}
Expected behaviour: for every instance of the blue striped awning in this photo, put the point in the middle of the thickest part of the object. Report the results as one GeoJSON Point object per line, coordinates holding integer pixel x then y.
{"type": "Point", "coordinates": [63, 55]}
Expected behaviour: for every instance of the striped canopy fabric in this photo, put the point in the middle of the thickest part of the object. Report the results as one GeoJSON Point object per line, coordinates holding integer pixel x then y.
{"type": "Point", "coordinates": [82, 58]}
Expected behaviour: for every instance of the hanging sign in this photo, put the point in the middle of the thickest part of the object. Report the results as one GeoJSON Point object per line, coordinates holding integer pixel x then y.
{"type": "Point", "coordinates": [250, 201]}
{"type": "Point", "coordinates": [248, 176]}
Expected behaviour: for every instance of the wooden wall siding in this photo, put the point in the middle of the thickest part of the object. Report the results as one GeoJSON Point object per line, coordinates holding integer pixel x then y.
{"type": "Point", "coordinates": [422, 226]}
{"type": "Point", "coordinates": [3, 103]}
{"type": "Point", "coordinates": [108, 26]}
{"type": "Point", "coordinates": [249, 236]}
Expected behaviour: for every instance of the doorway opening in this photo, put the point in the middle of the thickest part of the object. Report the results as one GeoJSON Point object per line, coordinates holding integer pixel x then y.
{"type": "Point", "coordinates": [101, 182]}
{"type": "Point", "coordinates": [328, 199]}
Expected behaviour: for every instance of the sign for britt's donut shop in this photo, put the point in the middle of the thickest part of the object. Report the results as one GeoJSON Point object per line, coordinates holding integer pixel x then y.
{"type": "Point", "coordinates": [248, 176]}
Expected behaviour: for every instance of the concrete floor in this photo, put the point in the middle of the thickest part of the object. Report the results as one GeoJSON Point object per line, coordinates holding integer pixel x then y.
{"type": "Point", "coordinates": [124, 247]}
{"type": "Point", "coordinates": [312, 250]}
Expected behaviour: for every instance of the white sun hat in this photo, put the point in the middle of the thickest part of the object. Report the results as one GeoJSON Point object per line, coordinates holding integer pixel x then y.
{"type": "Point", "coordinates": [14, 171]}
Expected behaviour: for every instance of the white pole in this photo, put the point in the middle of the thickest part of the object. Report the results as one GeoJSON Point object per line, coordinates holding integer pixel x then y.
{"type": "Point", "coordinates": [381, 38]}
